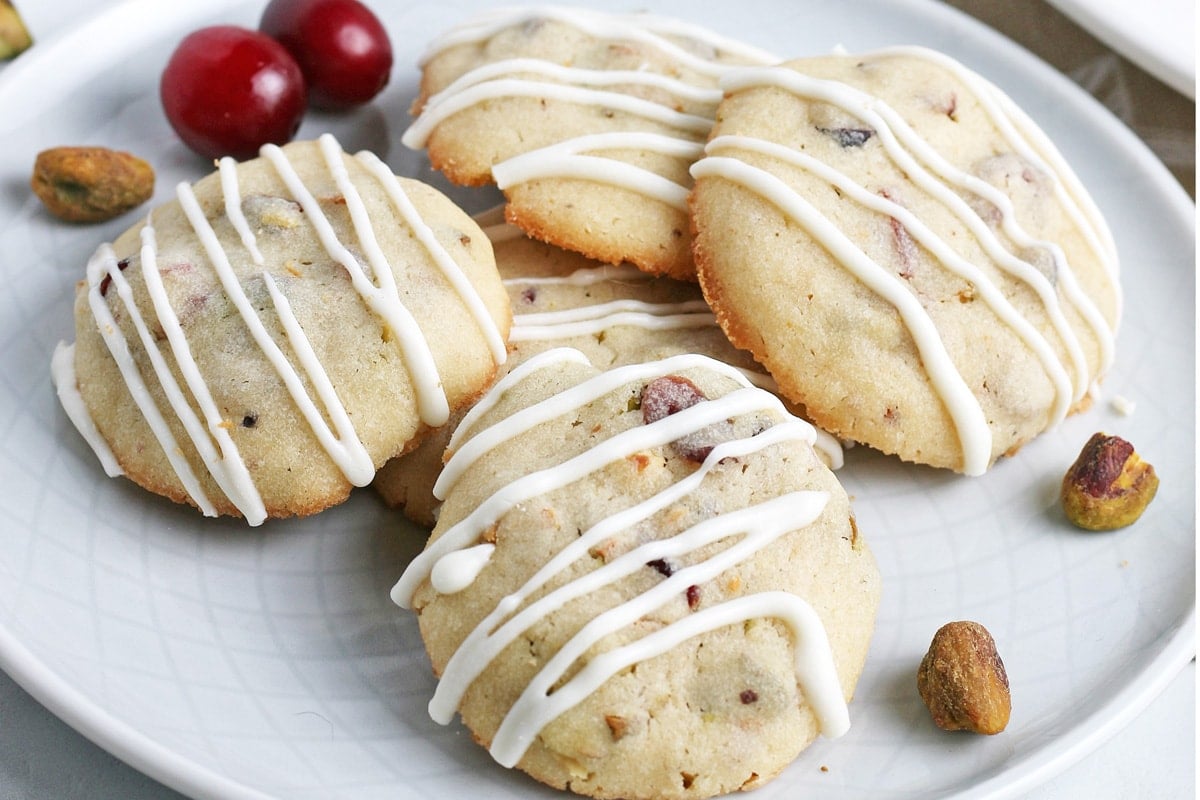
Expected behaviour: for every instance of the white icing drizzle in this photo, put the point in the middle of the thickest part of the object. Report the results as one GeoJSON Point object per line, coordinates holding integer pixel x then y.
{"type": "Point", "coordinates": [567, 159]}
{"type": "Point", "coordinates": [227, 167]}
{"type": "Point", "coordinates": [813, 660]}
{"type": "Point", "coordinates": [653, 316]}
{"type": "Point", "coordinates": [825, 442]}
{"type": "Point", "coordinates": [568, 315]}
{"type": "Point", "coordinates": [456, 571]}
{"type": "Point", "coordinates": [208, 431]}
{"type": "Point", "coordinates": [345, 449]}
{"type": "Point", "coordinates": [644, 28]}
{"type": "Point", "coordinates": [908, 150]}
{"type": "Point", "coordinates": [579, 75]}
{"type": "Point", "coordinates": [987, 290]}
{"type": "Point", "coordinates": [1084, 206]}
{"type": "Point", "coordinates": [497, 79]}
{"type": "Point", "coordinates": [828, 444]}
{"type": "Point", "coordinates": [587, 320]}
{"type": "Point", "coordinates": [417, 134]}
{"type": "Point", "coordinates": [584, 276]}
{"type": "Point", "coordinates": [66, 385]}
{"type": "Point", "coordinates": [104, 263]}
{"type": "Point", "coordinates": [1032, 144]}
{"type": "Point", "coordinates": [578, 396]}
{"type": "Point", "coordinates": [495, 631]}
{"type": "Point", "coordinates": [432, 405]}
{"type": "Point", "coordinates": [622, 445]}
{"type": "Point", "coordinates": [515, 376]}
{"type": "Point", "coordinates": [216, 449]}
{"type": "Point", "coordinates": [755, 527]}
{"type": "Point", "coordinates": [539, 78]}
{"type": "Point", "coordinates": [965, 412]}
{"type": "Point", "coordinates": [450, 268]}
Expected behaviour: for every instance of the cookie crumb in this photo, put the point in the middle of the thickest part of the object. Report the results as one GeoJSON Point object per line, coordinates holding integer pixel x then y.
{"type": "Point", "coordinates": [1123, 405]}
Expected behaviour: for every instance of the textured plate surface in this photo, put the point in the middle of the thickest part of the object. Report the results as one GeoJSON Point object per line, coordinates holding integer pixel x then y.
{"type": "Point", "coordinates": [229, 662]}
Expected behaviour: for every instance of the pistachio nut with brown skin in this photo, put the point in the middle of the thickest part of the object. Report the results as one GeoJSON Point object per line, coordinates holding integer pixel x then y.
{"type": "Point", "coordinates": [1108, 486]}
{"type": "Point", "coordinates": [90, 184]}
{"type": "Point", "coordinates": [963, 681]}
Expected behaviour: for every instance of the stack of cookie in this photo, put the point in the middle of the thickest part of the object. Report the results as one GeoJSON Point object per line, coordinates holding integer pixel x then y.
{"type": "Point", "coordinates": [897, 243]}
{"type": "Point", "coordinates": [899, 247]}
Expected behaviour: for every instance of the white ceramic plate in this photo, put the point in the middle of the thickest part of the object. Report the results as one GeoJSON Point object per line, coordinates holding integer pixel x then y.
{"type": "Point", "coordinates": [1157, 35]}
{"type": "Point", "coordinates": [230, 662]}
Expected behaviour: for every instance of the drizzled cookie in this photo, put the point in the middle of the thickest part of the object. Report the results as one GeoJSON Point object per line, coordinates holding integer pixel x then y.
{"type": "Point", "coordinates": [283, 327]}
{"type": "Point", "coordinates": [587, 121]}
{"type": "Point", "coordinates": [906, 253]}
{"type": "Point", "coordinates": [643, 583]}
{"type": "Point", "coordinates": [613, 314]}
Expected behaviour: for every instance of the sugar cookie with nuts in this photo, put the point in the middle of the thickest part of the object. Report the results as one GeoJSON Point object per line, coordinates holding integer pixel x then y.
{"type": "Point", "coordinates": [906, 253]}
{"type": "Point", "coordinates": [587, 121]}
{"type": "Point", "coordinates": [643, 583]}
{"type": "Point", "coordinates": [267, 340]}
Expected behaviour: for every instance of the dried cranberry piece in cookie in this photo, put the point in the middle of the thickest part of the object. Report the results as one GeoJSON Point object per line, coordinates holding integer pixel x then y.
{"type": "Point", "coordinates": [671, 394]}
{"type": "Point", "coordinates": [122, 265]}
{"type": "Point", "coordinates": [668, 395]}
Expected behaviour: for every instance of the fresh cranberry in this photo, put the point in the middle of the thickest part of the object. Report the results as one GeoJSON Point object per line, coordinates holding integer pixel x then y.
{"type": "Point", "coordinates": [227, 91]}
{"type": "Point", "coordinates": [340, 45]}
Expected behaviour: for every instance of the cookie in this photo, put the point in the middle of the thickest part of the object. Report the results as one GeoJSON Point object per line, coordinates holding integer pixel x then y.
{"type": "Point", "coordinates": [267, 340]}
{"type": "Point", "coordinates": [587, 121]}
{"type": "Point", "coordinates": [643, 583]}
{"type": "Point", "coordinates": [906, 253]}
{"type": "Point", "coordinates": [613, 314]}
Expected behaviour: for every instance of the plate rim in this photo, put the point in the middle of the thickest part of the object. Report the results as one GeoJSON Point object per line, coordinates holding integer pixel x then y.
{"type": "Point", "coordinates": [115, 736]}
